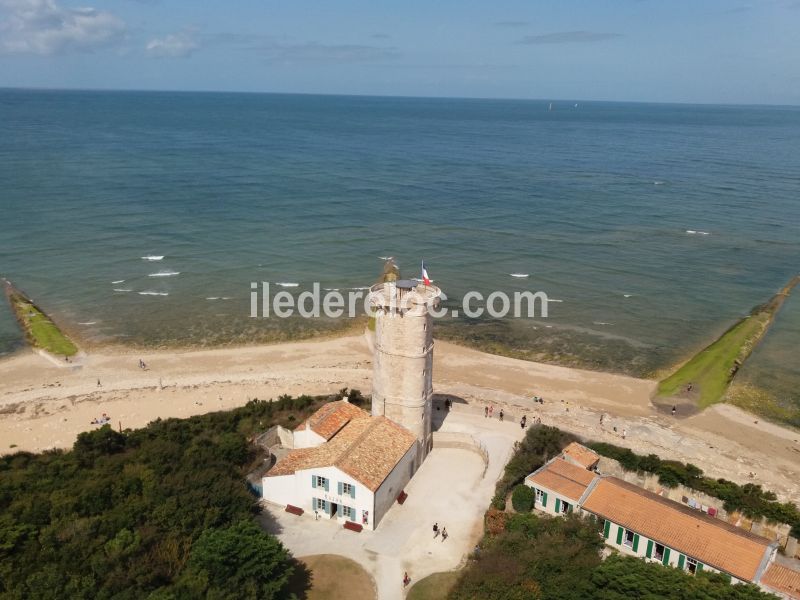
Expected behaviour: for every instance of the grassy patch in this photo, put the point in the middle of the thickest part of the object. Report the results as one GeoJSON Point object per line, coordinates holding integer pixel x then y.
{"type": "Point", "coordinates": [334, 577]}
{"type": "Point", "coordinates": [434, 587]}
{"type": "Point", "coordinates": [711, 370]}
{"type": "Point", "coordinates": [40, 330]}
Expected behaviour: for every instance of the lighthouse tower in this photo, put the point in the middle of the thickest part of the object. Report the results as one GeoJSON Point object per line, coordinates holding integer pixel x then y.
{"type": "Point", "coordinates": [402, 379]}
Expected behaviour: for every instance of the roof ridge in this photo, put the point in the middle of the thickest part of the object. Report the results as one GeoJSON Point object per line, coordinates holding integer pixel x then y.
{"type": "Point", "coordinates": [356, 441]}
{"type": "Point", "coordinates": [671, 504]}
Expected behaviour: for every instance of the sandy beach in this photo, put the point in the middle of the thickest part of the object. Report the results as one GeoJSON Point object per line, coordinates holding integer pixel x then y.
{"type": "Point", "coordinates": [45, 405]}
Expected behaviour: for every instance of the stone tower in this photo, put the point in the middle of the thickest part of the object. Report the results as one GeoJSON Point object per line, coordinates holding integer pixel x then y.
{"type": "Point", "coordinates": [402, 377]}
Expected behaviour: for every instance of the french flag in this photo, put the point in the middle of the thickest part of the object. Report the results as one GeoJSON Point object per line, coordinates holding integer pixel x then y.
{"type": "Point", "coordinates": [425, 279]}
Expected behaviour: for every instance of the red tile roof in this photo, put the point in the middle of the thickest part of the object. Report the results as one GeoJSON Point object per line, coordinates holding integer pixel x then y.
{"type": "Point", "coordinates": [562, 478]}
{"type": "Point", "coordinates": [581, 455]}
{"type": "Point", "coordinates": [366, 449]}
{"type": "Point", "coordinates": [782, 579]}
{"type": "Point", "coordinates": [331, 417]}
{"type": "Point", "coordinates": [711, 541]}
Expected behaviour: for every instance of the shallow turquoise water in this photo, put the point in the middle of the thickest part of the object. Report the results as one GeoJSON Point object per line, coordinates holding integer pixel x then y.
{"type": "Point", "coordinates": [593, 201]}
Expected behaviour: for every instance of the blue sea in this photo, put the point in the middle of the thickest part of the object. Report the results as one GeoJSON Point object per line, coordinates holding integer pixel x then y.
{"type": "Point", "coordinates": [593, 200]}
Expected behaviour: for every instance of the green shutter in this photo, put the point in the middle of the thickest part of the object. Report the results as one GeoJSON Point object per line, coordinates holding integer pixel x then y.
{"type": "Point", "coordinates": [353, 494]}
{"type": "Point", "coordinates": [339, 488]}
{"type": "Point", "coordinates": [681, 561]}
{"type": "Point", "coordinates": [327, 484]}
{"type": "Point", "coordinates": [666, 556]}
{"type": "Point", "coordinates": [699, 567]}
{"type": "Point", "coordinates": [635, 542]}
{"type": "Point", "coordinates": [569, 507]}
{"type": "Point", "coordinates": [558, 504]}
{"type": "Point", "coordinates": [544, 499]}
{"type": "Point", "coordinates": [606, 529]}
{"type": "Point", "coordinates": [619, 535]}
{"type": "Point", "coordinates": [649, 553]}
{"type": "Point", "coordinates": [314, 481]}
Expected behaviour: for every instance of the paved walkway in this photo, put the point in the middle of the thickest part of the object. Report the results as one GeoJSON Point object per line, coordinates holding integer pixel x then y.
{"type": "Point", "coordinates": [449, 488]}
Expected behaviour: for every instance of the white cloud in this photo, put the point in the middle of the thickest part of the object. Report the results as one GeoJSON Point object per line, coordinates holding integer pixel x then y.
{"type": "Point", "coordinates": [43, 27]}
{"type": "Point", "coordinates": [173, 45]}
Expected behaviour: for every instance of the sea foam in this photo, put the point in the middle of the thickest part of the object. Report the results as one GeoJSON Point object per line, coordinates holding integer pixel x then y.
{"type": "Point", "coordinates": [520, 275]}
{"type": "Point", "coordinates": [149, 293]}
{"type": "Point", "coordinates": [165, 274]}
{"type": "Point", "coordinates": [152, 257]}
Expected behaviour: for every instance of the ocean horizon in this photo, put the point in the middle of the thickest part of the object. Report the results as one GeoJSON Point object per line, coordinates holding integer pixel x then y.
{"type": "Point", "coordinates": [657, 225]}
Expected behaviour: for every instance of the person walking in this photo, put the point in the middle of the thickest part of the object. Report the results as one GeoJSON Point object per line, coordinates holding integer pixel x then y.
{"type": "Point", "coordinates": [444, 533]}
{"type": "Point", "coordinates": [523, 421]}
{"type": "Point", "coordinates": [674, 410]}
{"type": "Point", "coordinates": [501, 414]}
{"type": "Point", "coordinates": [491, 410]}
{"type": "Point", "coordinates": [624, 433]}
{"type": "Point", "coordinates": [435, 530]}
{"type": "Point", "coordinates": [406, 579]}
{"type": "Point", "coordinates": [486, 412]}
{"type": "Point", "coordinates": [602, 415]}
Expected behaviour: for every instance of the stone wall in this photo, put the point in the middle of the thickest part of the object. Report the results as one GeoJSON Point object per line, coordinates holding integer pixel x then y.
{"type": "Point", "coordinates": [772, 531]}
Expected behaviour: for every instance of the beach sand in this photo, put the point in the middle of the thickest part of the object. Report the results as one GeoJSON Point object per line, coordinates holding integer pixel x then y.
{"type": "Point", "coordinates": [43, 405]}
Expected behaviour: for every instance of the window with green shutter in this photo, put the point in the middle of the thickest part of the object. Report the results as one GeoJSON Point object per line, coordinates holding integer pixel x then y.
{"type": "Point", "coordinates": [558, 505]}
{"type": "Point", "coordinates": [606, 529]}
{"type": "Point", "coordinates": [666, 556]}
{"type": "Point", "coordinates": [649, 552]}
{"type": "Point", "coordinates": [681, 561]}
{"type": "Point", "coordinates": [544, 499]}
{"type": "Point", "coordinates": [699, 567]}
{"type": "Point", "coordinates": [339, 488]}
{"type": "Point", "coordinates": [636, 542]}
{"type": "Point", "coordinates": [619, 535]}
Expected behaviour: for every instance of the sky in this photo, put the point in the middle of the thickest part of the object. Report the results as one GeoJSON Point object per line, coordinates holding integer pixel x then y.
{"type": "Point", "coordinates": [694, 51]}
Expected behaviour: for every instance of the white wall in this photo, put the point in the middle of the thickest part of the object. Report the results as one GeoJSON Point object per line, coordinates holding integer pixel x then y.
{"type": "Point", "coordinates": [307, 438]}
{"type": "Point", "coordinates": [550, 507]}
{"type": "Point", "coordinates": [673, 559]}
{"type": "Point", "coordinates": [389, 490]}
{"type": "Point", "coordinates": [279, 490]}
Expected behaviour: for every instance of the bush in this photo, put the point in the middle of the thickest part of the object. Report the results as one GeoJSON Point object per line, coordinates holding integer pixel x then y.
{"type": "Point", "coordinates": [540, 444]}
{"type": "Point", "coordinates": [160, 512]}
{"type": "Point", "coordinates": [522, 498]}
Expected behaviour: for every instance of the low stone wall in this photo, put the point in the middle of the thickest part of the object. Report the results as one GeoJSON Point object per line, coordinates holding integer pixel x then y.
{"type": "Point", "coordinates": [649, 481]}
{"type": "Point", "coordinates": [275, 436]}
{"type": "Point", "coordinates": [462, 441]}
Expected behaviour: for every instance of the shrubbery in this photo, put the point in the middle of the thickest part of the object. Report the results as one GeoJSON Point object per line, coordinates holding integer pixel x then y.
{"type": "Point", "coordinates": [160, 512]}
{"type": "Point", "coordinates": [540, 444]}
{"type": "Point", "coordinates": [522, 498]}
{"type": "Point", "coordinates": [748, 499]}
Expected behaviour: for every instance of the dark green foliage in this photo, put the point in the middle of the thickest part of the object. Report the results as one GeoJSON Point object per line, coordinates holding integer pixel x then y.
{"type": "Point", "coordinates": [555, 558]}
{"type": "Point", "coordinates": [522, 498]}
{"type": "Point", "coordinates": [626, 578]}
{"type": "Point", "coordinates": [140, 513]}
{"type": "Point", "coordinates": [535, 557]}
{"type": "Point", "coordinates": [748, 499]}
{"type": "Point", "coordinates": [236, 562]}
{"type": "Point", "coordinates": [540, 444]}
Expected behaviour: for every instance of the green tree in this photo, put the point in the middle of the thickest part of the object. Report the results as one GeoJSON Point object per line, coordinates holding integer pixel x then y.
{"type": "Point", "coordinates": [522, 498]}
{"type": "Point", "coordinates": [240, 561]}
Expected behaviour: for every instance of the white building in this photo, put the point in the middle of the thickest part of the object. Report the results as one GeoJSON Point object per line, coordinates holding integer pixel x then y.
{"type": "Point", "coordinates": [355, 474]}
{"type": "Point", "coordinates": [349, 465]}
{"type": "Point", "coordinates": [640, 523]}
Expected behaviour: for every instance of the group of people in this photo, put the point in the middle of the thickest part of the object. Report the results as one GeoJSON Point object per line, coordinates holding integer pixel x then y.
{"type": "Point", "coordinates": [102, 420]}
{"type": "Point", "coordinates": [488, 412]}
{"type": "Point", "coordinates": [437, 531]}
